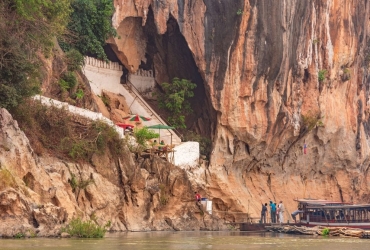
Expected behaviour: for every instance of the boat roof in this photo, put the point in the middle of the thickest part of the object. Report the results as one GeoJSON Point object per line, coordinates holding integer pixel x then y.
{"type": "Point", "coordinates": [317, 203]}
{"type": "Point", "coordinates": [320, 202]}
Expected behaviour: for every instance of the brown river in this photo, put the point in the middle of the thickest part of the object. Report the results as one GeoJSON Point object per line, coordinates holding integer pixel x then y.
{"type": "Point", "coordinates": [190, 240]}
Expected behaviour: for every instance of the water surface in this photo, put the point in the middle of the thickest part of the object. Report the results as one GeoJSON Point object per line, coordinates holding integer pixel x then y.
{"type": "Point", "coordinates": [190, 240]}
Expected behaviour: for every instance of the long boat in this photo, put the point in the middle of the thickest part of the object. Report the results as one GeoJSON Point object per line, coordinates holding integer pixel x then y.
{"type": "Point", "coordinates": [314, 212]}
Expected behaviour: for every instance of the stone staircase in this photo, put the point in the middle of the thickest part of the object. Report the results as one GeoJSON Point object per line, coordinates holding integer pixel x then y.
{"type": "Point", "coordinates": [165, 134]}
{"type": "Point", "coordinates": [106, 76]}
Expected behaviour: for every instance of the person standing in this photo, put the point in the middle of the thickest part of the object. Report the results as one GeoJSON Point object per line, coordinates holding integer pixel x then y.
{"type": "Point", "coordinates": [263, 213]}
{"type": "Point", "coordinates": [197, 196]}
{"type": "Point", "coordinates": [273, 212]}
{"type": "Point", "coordinates": [281, 212]}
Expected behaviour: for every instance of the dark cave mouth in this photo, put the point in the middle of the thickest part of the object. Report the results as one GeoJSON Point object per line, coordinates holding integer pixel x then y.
{"type": "Point", "coordinates": [168, 56]}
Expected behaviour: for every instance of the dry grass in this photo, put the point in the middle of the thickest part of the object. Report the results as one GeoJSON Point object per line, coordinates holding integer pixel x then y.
{"type": "Point", "coordinates": [7, 180]}
{"type": "Point", "coordinates": [56, 132]}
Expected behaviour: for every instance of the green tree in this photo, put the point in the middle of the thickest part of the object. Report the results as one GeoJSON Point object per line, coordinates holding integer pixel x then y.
{"type": "Point", "coordinates": [90, 27]}
{"type": "Point", "coordinates": [142, 135]}
{"type": "Point", "coordinates": [175, 100]}
{"type": "Point", "coordinates": [27, 27]}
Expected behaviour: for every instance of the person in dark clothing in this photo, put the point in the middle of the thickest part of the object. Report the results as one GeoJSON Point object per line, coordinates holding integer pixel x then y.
{"type": "Point", "coordinates": [264, 213]}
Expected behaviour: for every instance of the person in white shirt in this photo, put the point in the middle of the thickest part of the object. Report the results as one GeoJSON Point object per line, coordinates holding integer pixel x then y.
{"type": "Point", "coordinates": [281, 212]}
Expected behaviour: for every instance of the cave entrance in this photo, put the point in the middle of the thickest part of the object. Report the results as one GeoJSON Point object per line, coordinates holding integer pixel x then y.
{"type": "Point", "coordinates": [169, 56]}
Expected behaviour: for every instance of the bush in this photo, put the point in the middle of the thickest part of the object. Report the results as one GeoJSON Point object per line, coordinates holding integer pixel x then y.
{"type": "Point", "coordinates": [68, 81]}
{"type": "Point", "coordinates": [322, 75]}
{"type": "Point", "coordinates": [74, 59]}
{"type": "Point", "coordinates": [142, 135]}
{"type": "Point", "coordinates": [325, 231]}
{"type": "Point", "coordinates": [310, 121]}
{"type": "Point", "coordinates": [85, 229]}
{"type": "Point", "coordinates": [175, 100]}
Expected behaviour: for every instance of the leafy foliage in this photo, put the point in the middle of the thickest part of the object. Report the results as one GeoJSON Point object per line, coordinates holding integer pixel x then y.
{"type": "Point", "coordinates": [26, 27]}
{"type": "Point", "coordinates": [325, 231]}
{"type": "Point", "coordinates": [68, 81]}
{"type": "Point", "coordinates": [175, 100]}
{"type": "Point", "coordinates": [142, 135]}
{"type": "Point", "coordinates": [90, 27]}
{"type": "Point", "coordinates": [80, 94]}
{"type": "Point", "coordinates": [85, 229]}
{"type": "Point", "coordinates": [322, 75]}
{"type": "Point", "coordinates": [75, 60]}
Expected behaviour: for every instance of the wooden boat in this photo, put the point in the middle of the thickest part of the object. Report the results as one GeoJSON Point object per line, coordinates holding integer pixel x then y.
{"type": "Point", "coordinates": [326, 213]}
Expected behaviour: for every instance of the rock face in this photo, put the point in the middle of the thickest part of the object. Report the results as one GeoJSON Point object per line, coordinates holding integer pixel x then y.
{"type": "Point", "coordinates": [278, 74]}
{"type": "Point", "coordinates": [38, 195]}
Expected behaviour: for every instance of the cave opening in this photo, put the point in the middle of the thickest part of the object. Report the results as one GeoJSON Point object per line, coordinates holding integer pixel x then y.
{"type": "Point", "coordinates": [169, 56]}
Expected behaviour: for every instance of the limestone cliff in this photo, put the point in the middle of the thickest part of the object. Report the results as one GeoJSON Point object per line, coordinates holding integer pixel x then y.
{"type": "Point", "coordinates": [38, 195]}
{"type": "Point", "coordinates": [275, 74]}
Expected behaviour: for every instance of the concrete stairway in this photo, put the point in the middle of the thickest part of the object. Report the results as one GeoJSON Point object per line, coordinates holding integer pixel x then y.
{"type": "Point", "coordinates": [156, 119]}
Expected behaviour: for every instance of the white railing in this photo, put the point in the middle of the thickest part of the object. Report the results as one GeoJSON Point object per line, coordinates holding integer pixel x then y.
{"type": "Point", "coordinates": [102, 64]}
{"type": "Point", "coordinates": [78, 111]}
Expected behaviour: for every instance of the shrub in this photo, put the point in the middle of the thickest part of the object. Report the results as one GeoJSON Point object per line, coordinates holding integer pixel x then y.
{"type": "Point", "coordinates": [68, 81]}
{"type": "Point", "coordinates": [325, 231]}
{"type": "Point", "coordinates": [85, 229]}
{"type": "Point", "coordinates": [19, 235]}
{"type": "Point", "coordinates": [310, 121]}
{"type": "Point", "coordinates": [80, 94]}
{"type": "Point", "coordinates": [142, 135]}
{"type": "Point", "coordinates": [322, 75]}
{"type": "Point", "coordinates": [79, 184]}
{"type": "Point", "coordinates": [175, 100]}
{"type": "Point", "coordinates": [74, 60]}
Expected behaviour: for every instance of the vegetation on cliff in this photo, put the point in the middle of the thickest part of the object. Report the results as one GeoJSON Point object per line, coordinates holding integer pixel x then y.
{"type": "Point", "coordinates": [27, 28]}
{"type": "Point", "coordinates": [85, 229]}
{"type": "Point", "coordinates": [50, 129]}
{"type": "Point", "coordinates": [89, 27]}
{"type": "Point", "coordinates": [175, 100]}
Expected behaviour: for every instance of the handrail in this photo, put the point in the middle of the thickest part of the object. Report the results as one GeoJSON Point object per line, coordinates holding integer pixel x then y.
{"type": "Point", "coordinates": [162, 120]}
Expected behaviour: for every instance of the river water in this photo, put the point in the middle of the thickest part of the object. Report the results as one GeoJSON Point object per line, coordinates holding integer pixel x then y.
{"type": "Point", "coordinates": [190, 240]}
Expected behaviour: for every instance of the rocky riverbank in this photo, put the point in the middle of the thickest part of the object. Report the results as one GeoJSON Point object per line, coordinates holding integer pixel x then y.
{"type": "Point", "coordinates": [319, 230]}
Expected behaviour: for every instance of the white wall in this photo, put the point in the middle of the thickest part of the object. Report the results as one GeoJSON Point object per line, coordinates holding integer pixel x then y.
{"type": "Point", "coordinates": [143, 81]}
{"type": "Point", "coordinates": [79, 111]}
{"type": "Point", "coordinates": [186, 154]}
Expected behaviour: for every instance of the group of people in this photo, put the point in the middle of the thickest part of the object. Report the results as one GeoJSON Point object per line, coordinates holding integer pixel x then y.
{"type": "Point", "coordinates": [276, 212]}
{"type": "Point", "coordinates": [160, 146]}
